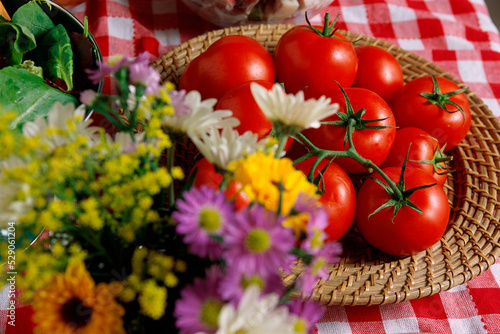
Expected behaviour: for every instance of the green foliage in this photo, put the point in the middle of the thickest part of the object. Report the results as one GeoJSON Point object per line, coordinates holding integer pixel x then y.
{"type": "Point", "coordinates": [33, 18]}
{"type": "Point", "coordinates": [15, 40]}
{"type": "Point", "coordinates": [27, 95]}
{"type": "Point", "coordinates": [55, 55]}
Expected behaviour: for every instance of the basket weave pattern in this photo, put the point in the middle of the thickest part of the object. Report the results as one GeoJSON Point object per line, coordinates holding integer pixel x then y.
{"type": "Point", "coordinates": [366, 276]}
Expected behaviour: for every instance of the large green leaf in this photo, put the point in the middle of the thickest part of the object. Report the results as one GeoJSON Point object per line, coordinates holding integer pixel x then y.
{"type": "Point", "coordinates": [28, 95]}
{"type": "Point", "coordinates": [15, 40]}
{"type": "Point", "coordinates": [55, 55]}
{"type": "Point", "coordinates": [32, 16]}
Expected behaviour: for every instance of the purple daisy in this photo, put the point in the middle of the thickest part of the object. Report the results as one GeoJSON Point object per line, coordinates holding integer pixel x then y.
{"type": "Point", "coordinates": [256, 242]}
{"type": "Point", "coordinates": [178, 101]}
{"type": "Point", "coordinates": [140, 73]}
{"type": "Point", "coordinates": [329, 253]}
{"type": "Point", "coordinates": [234, 283]}
{"type": "Point", "coordinates": [103, 69]}
{"type": "Point", "coordinates": [315, 235]}
{"type": "Point", "coordinates": [197, 309]}
{"type": "Point", "coordinates": [307, 312]}
{"type": "Point", "coordinates": [201, 214]}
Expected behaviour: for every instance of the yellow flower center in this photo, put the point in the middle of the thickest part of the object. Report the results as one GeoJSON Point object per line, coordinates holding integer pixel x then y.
{"type": "Point", "coordinates": [300, 326]}
{"type": "Point", "coordinates": [75, 313]}
{"type": "Point", "coordinates": [210, 220]}
{"type": "Point", "coordinates": [209, 314]}
{"type": "Point", "coordinates": [254, 279]}
{"type": "Point", "coordinates": [258, 241]}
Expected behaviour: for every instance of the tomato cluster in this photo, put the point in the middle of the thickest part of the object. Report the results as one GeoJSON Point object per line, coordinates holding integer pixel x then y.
{"type": "Point", "coordinates": [396, 134]}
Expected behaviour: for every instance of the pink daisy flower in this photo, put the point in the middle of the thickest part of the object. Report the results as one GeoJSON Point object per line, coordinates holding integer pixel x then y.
{"type": "Point", "coordinates": [316, 270]}
{"type": "Point", "coordinates": [256, 242]}
{"type": "Point", "coordinates": [197, 310]}
{"type": "Point", "coordinates": [200, 215]}
{"type": "Point", "coordinates": [308, 313]}
{"type": "Point", "coordinates": [234, 284]}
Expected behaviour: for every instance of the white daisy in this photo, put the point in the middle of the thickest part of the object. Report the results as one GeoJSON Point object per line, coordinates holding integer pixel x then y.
{"type": "Point", "coordinates": [222, 147]}
{"type": "Point", "coordinates": [201, 116]}
{"type": "Point", "coordinates": [11, 209]}
{"type": "Point", "coordinates": [125, 142]}
{"type": "Point", "coordinates": [256, 315]}
{"type": "Point", "coordinates": [292, 110]}
{"type": "Point", "coordinates": [61, 125]}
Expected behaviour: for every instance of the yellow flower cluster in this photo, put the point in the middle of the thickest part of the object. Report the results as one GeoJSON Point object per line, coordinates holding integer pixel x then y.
{"type": "Point", "coordinates": [270, 181]}
{"type": "Point", "coordinates": [40, 265]}
{"type": "Point", "coordinates": [152, 273]}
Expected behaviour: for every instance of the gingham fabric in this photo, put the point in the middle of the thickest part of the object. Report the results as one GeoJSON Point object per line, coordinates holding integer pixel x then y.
{"type": "Point", "coordinates": [457, 35]}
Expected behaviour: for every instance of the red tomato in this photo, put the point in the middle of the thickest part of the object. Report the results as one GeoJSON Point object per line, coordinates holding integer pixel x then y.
{"type": "Point", "coordinates": [306, 60]}
{"type": "Point", "coordinates": [378, 71]}
{"type": "Point", "coordinates": [207, 176]}
{"type": "Point", "coordinates": [409, 232]}
{"type": "Point", "coordinates": [339, 198]}
{"type": "Point", "coordinates": [423, 148]}
{"type": "Point", "coordinates": [241, 102]}
{"type": "Point", "coordinates": [227, 63]}
{"type": "Point", "coordinates": [372, 144]}
{"type": "Point", "coordinates": [412, 109]}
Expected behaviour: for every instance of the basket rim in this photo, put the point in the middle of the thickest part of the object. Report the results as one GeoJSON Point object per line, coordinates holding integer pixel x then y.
{"type": "Point", "coordinates": [471, 243]}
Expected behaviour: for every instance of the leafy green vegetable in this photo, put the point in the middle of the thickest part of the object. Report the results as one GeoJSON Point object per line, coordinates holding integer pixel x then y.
{"type": "Point", "coordinates": [32, 16]}
{"type": "Point", "coordinates": [55, 55]}
{"type": "Point", "coordinates": [28, 95]}
{"type": "Point", "coordinates": [15, 40]}
{"type": "Point", "coordinates": [30, 66]}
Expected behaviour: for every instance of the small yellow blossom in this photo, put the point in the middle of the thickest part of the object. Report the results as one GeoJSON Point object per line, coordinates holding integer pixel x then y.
{"type": "Point", "coordinates": [153, 300]}
{"type": "Point", "coordinates": [273, 175]}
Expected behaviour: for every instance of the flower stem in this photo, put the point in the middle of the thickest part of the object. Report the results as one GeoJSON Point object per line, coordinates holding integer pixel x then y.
{"type": "Point", "coordinates": [170, 164]}
{"type": "Point", "coordinates": [282, 139]}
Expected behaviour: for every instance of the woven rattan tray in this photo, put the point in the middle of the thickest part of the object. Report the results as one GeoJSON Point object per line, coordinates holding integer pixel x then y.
{"type": "Point", "coordinates": [470, 244]}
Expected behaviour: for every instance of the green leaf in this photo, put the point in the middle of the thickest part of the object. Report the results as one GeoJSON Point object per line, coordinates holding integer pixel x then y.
{"type": "Point", "coordinates": [15, 40]}
{"type": "Point", "coordinates": [28, 95]}
{"type": "Point", "coordinates": [55, 55]}
{"type": "Point", "coordinates": [32, 16]}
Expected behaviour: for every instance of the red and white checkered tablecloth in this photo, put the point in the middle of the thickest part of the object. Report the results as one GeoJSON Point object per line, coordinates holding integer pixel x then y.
{"type": "Point", "coordinates": [457, 35]}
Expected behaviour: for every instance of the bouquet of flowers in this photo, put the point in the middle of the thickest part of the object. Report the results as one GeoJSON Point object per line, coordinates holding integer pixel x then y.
{"type": "Point", "coordinates": [119, 248]}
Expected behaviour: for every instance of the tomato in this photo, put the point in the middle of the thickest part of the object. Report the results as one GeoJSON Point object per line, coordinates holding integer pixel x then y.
{"type": "Point", "coordinates": [378, 71]}
{"type": "Point", "coordinates": [338, 199]}
{"type": "Point", "coordinates": [409, 232]}
{"type": "Point", "coordinates": [412, 109]}
{"type": "Point", "coordinates": [206, 175]}
{"type": "Point", "coordinates": [423, 148]}
{"type": "Point", "coordinates": [241, 102]}
{"type": "Point", "coordinates": [227, 63]}
{"type": "Point", "coordinates": [372, 144]}
{"type": "Point", "coordinates": [306, 60]}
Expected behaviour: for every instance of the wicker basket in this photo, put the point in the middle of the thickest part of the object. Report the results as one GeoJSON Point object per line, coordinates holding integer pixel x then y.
{"type": "Point", "coordinates": [470, 244]}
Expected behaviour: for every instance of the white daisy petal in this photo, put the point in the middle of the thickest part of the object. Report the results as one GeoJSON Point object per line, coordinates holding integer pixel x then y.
{"type": "Point", "coordinates": [201, 116]}
{"type": "Point", "coordinates": [256, 314]}
{"type": "Point", "coordinates": [292, 110]}
{"type": "Point", "coordinates": [61, 126]}
{"type": "Point", "coordinates": [222, 147]}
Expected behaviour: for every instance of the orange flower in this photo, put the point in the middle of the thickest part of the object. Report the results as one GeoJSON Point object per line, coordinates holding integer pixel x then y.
{"type": "Point", "coordinates": [73, 304]}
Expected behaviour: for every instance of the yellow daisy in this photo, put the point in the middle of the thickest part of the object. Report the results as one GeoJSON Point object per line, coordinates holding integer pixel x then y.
{"type": "Point", "coordinates": [72, 303]}
{"type": "Point", "coordinates": [271, 182]}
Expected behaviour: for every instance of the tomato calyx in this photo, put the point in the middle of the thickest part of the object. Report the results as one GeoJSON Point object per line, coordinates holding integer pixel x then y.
{"type": "Point", "coordinates": [401, 198]}
{"type": "Point", "coordinates": [329, 30]}
{"type": "Point", "coordinates": [355, 118]}
{"type": "Point", "coordinates": [439, 161]}
{"type": "Point", "coordinates": [441, 99]}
